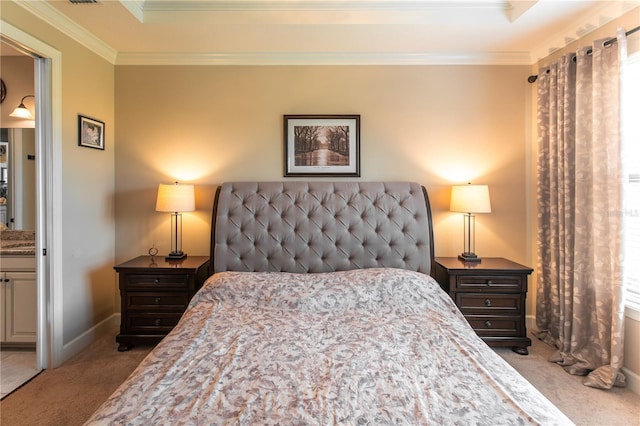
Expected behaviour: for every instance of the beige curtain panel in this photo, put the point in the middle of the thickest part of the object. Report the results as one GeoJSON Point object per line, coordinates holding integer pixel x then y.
{"type": "Point", "coordinates": [580, 308]}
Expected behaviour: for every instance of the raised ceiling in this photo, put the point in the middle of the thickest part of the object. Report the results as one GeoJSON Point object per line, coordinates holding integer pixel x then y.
{"type": "Point", "coordinates": [326, 31]}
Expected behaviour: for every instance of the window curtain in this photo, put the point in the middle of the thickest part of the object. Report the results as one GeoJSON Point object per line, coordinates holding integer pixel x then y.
{"type": "Point", "coordinates": [580, 306]}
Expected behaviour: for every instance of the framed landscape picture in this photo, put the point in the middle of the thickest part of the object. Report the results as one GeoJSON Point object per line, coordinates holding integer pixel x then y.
{"type": "Point", "coordinates": [90, 132]}
{"type": "Point", "coordinates": [321, 145]}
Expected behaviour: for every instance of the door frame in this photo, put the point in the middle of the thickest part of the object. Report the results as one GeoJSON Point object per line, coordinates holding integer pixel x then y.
{"type": "Point", "coordinates": [48, 128]}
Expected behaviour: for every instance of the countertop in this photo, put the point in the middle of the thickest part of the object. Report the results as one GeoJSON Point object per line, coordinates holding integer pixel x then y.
{"type": "Point", "coordinates": [17, 243]}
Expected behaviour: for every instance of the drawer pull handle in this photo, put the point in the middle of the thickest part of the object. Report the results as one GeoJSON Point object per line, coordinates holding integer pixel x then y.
{"type": "Point", "coordinates": [156, 281]}
{"type": "Point", "coordinates": [487, 324]}
{"type": "Point", "coordinates": [487, 302]}
{"type": "Point", "coordinates": [157, 300]}
{"type": "Point", "coordinates": [158, 322]}
{"type": "Point", "coordinates": [489, 283]}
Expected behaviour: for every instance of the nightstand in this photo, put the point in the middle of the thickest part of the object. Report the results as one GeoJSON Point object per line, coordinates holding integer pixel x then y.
{"type": "Point", "coordinates": [154, 294]}
{"type": "Point", "coordinates": [491, 296]}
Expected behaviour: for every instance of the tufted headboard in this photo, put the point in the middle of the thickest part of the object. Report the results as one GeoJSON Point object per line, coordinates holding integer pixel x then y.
{"type": "Point", "coordinates": [321, 226]}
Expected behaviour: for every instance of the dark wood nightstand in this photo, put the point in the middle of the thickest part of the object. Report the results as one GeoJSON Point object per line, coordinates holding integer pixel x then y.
{"type": "Point", "coordinates": [491, 296]}
{"type": "Point", "coordinates": [154, 294]}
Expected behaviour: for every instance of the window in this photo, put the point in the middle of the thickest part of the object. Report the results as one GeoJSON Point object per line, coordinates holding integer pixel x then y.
{"type": "Point", "coordinates": [631, 156]}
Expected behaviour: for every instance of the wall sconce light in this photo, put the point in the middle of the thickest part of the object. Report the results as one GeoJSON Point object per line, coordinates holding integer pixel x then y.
{"type": "Point", "coordinates": [175, 198]}
{"type": "Point", "coordinates": [22, 111]}
{"type": "Point", "coordinates": [470, 199]}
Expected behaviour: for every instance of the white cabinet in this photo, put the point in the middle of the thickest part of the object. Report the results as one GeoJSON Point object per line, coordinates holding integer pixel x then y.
{"type": "Point", "coordinates": [18, 305]}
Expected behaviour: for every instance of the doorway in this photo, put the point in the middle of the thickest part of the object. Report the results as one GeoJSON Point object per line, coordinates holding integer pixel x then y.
{"type": "Point", "coordinates": [48, 140]}
{"type": "Point", "coordinates": [18, 286]}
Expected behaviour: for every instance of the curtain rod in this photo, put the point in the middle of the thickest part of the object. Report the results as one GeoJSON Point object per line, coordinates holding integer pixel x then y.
{"type": "Point", "coordinates": [533, 78]}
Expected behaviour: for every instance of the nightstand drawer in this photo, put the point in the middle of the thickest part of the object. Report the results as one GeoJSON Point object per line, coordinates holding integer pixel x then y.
{"type": "Point", "coordinates": [489, 304]}
{"type": "Point", "coordinates": [491, 295]}
{"type": "Point", "coordinates": [154, 292]}
{"type": "Point", "coordinates": [499, 283]}
{"type": "Point", "coordinates": [152, 323]}
{"type": "Point", "coordinates": [143, 281]}
{"type": "Point", "coordinates": [158, 301]}
{"type": "Point", "coordinates": [489, 326]}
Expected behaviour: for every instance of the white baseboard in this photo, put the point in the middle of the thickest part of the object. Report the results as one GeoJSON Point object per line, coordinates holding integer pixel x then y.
{"type": "Point", "coordinates": [89, 336]}
{"type": "Point", "coordinates": [530, 321]}
{"type": "Point", "coordinates": [633, 380]}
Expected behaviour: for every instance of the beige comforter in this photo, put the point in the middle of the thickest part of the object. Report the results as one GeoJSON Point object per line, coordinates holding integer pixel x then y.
{"type": "Point", "coordinates": [373, 346]}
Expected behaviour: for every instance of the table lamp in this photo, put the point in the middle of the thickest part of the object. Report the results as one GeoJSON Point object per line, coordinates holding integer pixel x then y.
{"type": "Point", "coordinates": [470, 199]}
{"type": "Point", "coordinates": [175, 198]}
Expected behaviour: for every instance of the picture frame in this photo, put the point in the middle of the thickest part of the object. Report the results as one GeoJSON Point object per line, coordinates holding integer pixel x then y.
{"type": "Point", "coordinates": [4, 152]}
{"type": "Point", "coordinates": [321, 145]}
{"type": "Point", "coordinates": [90, 132]}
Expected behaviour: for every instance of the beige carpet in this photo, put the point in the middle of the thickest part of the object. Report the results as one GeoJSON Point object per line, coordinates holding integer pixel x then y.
{"type": "Point", "coordinates": [70, 394]}
{"type": "Point", "coordinates": [582, 404]}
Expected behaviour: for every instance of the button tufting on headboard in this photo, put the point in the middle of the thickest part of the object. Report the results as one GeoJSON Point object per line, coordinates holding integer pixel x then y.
{"type": "Point", "coordinates": [321, 226]}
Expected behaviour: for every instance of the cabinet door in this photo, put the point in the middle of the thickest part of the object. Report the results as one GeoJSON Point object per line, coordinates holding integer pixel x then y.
{"type": "Point", "coordinates": [3, 307]}
{"type": "Point", "coordinates": [20, 305]}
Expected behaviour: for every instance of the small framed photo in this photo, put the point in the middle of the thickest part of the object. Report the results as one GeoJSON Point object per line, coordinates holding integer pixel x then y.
{"type": "Point", "coordinates": [90, 132]}
{"type": "Point", "coordinates": [321, 145]}
{"type": "Point", "coordinates": [4, 153]}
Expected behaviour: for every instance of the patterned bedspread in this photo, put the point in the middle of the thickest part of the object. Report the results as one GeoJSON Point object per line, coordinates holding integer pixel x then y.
{"type": "Point", "coordinates": [373, 346]}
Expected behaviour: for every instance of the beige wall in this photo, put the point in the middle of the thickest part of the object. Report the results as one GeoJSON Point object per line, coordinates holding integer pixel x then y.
{"type": "Point", "coordinates": [17, 74]}
{"type": "Point", "coordinates": [631, 348]}
{"type": "Point", "coordinates": [87, 183]}
{"type": "Point", "coordinates": [88, 194]}
{"type": "Point", "coordinates": [437, 125]}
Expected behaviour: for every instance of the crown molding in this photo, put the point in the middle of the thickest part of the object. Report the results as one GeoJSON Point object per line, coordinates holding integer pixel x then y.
{"type": "Point", "coordinates": [281, 11]}
{"type": "Point", "coordinates": [62, 23]}
{"type": "Point", "coordinates": [135, 7]}
{"type": "Point", "coordinates": [581, 26]}
{"type": "Point", "coordinates": [150, 6]}
{"type": "Point", "coordinates": [42, 10]}
{"type": "Point", "coordinates": [341, 58]}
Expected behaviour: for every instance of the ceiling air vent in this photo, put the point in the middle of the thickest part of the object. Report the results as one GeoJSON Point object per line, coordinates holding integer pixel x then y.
{"type": "Point", "coordinates": [83, 1]}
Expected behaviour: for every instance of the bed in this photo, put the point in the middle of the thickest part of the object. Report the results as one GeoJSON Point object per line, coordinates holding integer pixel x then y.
{"type": "Point", "coordinates": [321, 310]}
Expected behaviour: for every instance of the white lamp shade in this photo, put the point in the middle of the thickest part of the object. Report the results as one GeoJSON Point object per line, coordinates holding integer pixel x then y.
{"type": "Point", "coordinates": [175, 198]}
{"type": "Point", "coordinates": [21, 112]}
{"type": "Point", "coordinates": [470, 199]}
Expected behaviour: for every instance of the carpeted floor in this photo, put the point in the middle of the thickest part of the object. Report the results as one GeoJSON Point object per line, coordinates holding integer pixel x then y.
{"type": "Point", "coordinates": [584, 405]}
{"type": "Point", "coordinates": [70, 394]}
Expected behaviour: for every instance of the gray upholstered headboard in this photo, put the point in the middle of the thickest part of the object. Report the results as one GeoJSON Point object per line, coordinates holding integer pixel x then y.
{"type": "Point", "coordinates": [321, 226]}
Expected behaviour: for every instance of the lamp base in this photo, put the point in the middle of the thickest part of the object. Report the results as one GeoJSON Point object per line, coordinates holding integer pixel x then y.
{"type": "Point", "coordinates": [176, 255]}
{"type": "Point", "coordinates": [469, 257]}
